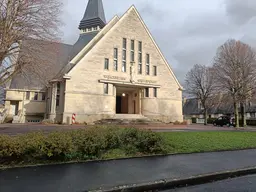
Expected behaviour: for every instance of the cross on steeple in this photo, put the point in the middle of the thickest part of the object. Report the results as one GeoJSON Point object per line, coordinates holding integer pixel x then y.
{"type": "Point", "coordinates": [94, 16]}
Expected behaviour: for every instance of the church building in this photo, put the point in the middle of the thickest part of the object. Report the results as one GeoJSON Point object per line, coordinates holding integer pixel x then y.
{"type": "Point", "coordinates": [114, 68]}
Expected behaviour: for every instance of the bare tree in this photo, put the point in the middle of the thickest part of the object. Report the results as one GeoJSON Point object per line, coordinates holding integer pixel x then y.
{"type": "Point", "coordinates": [199, 83]}
{"type": "Point", "coordinates": [22, 22]}
{"type": "Point", "coordinates": [235, 69]}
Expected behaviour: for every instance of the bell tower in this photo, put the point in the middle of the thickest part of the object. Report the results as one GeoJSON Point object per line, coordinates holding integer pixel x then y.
{"type": "Point", "coordinates": [94, 17]}
{"type": "Point", "coordinates": [92, 22]}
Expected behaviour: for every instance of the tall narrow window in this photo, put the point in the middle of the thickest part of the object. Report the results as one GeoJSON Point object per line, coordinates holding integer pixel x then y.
{"type": "Point", "coordinates": [155, 92]}
{"type": "Point", "coordinates": [57, 101]}
{"type": "Point", "coordinates": [132, 50]}
{"type": "Point", "coordinates": [115, 59]}
{"type": "Point", "coordinates": [124, 61]}
{"type": "Point", "coordinates": [147, 64]}
{"type": "Point", "coordinates": [146, 92]}
{"type": "Point", "coordinates": [140, 58]}
{"type": "Point", "coordinates": [155, 70]}
{"type": "Point", "coordinates": [27, 95]}
{"type": "Point", "coordinates": [140, 46]}
{"type": "Point", "coordinates": [58, 95]}
{"type": "Point", "coordinates": [124, 66]}
{"type": "Point", "coordinates": [124, 43]}
{"type": "Point", "coordinates": [105, 88]}
{"type": "Point", "coordinates": [106, 64]}
{"type": "Point", "coordinates": [35, 96]}
{"type": "Point", "coordinates": [124, 55]}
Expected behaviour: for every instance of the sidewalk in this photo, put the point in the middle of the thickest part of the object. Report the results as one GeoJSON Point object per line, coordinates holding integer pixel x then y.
{"type": "Point", "coordinates": [81, 177]}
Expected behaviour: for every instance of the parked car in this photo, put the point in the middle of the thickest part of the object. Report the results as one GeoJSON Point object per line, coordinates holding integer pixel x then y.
{"type": "Point", "coordinates": [224, 120]}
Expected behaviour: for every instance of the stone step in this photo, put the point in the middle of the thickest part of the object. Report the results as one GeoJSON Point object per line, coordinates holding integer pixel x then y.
{"type": "Point", "coordinates": [120, 119]}
{"type": "Point", "coordinates": [129, 116]}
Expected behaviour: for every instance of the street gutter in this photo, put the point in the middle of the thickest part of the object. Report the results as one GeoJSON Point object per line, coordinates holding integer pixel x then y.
{"type": "Point", "coordinates": [167, 184]}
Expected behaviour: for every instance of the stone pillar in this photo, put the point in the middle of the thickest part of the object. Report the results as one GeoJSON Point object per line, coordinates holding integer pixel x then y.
{"type": "Point", "coordinates": [140, 101]}
{"type": "Point", "coordinates": [48, 102]}
{"type": "Point", "coordinates": [62, 91]}
{"type": "Point", "coordinates": [114, 93]}
{"type": "Point", "coordinates": [114, 90]}
{"type": "Point", "coordinates": [53, 102]}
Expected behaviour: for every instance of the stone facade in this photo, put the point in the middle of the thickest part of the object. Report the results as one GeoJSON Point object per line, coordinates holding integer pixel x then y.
{"type": "Point", "coordinates": [84, 93]}
{"type": "Point", "coordinates": [93, 92]}
{"type": "Point", "coordinates": [29, 105]}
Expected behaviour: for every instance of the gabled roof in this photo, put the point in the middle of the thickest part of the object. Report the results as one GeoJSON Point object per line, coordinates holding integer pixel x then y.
{"type": "Point", "coordinates": [82, 41]}
{"type": "Point", "coordinates": [56, 64]}
{"type": "Point", "coordinates": [51, 58]}
{"type": "Point", "coordinates": [69, 56]}
{"type": "Point", "coordinates": [94, 15]}
{"type": "Point", "coordinates": [156, 45]}
{"type": "Point", "coordinates": [190, 107]}
{"type": "Point", "coordinates": [110, 25]}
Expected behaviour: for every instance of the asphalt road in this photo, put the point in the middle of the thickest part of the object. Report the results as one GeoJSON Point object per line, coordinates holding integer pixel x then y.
{"type": "Point", "coordinates": [91, 175]}
{"type": "Point", "coordinates": [240, 184]}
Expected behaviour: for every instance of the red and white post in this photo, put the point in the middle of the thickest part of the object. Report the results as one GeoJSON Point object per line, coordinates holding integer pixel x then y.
{"type": "Point", "coordinates": [73, 118]}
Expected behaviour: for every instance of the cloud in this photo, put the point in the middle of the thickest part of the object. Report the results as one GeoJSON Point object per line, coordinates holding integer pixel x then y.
{"type": "Point", "coordinates": [188, 32]}
{"type": "Point", "coordinates": [241, 11]}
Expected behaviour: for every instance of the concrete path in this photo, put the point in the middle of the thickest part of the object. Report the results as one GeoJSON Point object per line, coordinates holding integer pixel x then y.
{"type": "Point", "coordinates": [240, 184]}
{"type": "Point", "coordinates": [81, 177]}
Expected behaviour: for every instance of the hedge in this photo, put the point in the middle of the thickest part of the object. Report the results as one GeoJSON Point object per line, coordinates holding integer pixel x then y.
{"type": "Point", "coordinates": [250, 122]}
{"type": "Point", "coordinates": [87, 144]}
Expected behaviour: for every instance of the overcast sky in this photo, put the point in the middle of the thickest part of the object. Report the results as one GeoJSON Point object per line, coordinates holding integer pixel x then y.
{"type": "Point", "coordinates": [187, 31]}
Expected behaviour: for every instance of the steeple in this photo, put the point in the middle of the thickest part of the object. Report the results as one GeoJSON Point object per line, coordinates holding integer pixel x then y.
{"type": "Point", "coordinates": [94, 17]}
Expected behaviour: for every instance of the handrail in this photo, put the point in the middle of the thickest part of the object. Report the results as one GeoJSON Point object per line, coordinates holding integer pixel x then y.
{"type": "Point", "coordinates": [19, 115]}
{"type": "Point", "coordinates": [17, 118]}
{"type": "Point", "coordinates": [3, 115]}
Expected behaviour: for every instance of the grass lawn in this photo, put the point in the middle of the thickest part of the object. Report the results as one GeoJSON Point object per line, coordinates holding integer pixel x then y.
{"type": "Point", "coordinates": [189, 142]}
{"type": "Point", "coordinates": [102, 143]}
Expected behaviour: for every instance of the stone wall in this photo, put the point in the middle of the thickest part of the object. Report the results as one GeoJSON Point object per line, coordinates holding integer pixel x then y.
{"type": "Point", "coordinates": [28, 106]}
{"type": "Point", "coordinates": [84, 94]}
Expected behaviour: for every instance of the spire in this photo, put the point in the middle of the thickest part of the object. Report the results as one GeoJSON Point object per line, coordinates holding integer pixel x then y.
{"type": "Point", "coordinates": [94, 15]}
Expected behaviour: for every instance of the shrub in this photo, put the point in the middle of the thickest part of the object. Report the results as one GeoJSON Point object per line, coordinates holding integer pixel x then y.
{"type": "Point", "coordinates": [92, 143]}
{"type": "Point", "coordinates": [143, 141]}
{"type": "Point", "coordinates": [59, 146]}
{"type": "Point", "coordinates": [8, 148]}
{"type": "Point", "coordinates": [150, 142]}
{"type": "Point", "coordinates": [251, 122]}
{"type": "Point", "coordinates": [32, 146]}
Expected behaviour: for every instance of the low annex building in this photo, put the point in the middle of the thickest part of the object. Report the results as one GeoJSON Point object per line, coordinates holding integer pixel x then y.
{"type": "Point", "coordinates": [113, 68]}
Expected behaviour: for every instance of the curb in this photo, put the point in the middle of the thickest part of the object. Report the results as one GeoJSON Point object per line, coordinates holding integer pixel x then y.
{"type": "Point", "coordinates": [6, 167]}
{"type": "Point", "coordinates": [178, 183]}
